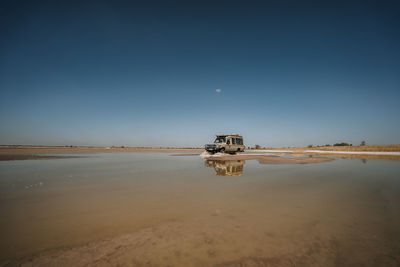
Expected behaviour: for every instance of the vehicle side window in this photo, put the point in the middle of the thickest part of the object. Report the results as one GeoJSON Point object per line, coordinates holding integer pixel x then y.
{"type": "Point", "coordinates": [233, 141]}
{"type": "Point", "coordinates": [239, 141]}
{"type": "Point", "coordinates": [228, 142]}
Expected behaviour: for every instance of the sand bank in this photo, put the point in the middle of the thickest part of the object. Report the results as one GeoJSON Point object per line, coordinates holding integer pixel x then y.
{"type": "Point", "coordinates": [54, 152]}
{"type": "Point", "coordinates": [79, 150]}
{"type": "Point", "coordinates": [5, 157]}
{"type": "Point", "coordinates": [47, 152]}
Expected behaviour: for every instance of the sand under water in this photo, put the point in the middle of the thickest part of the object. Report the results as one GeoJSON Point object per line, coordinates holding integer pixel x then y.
{"type": "Point", "coordinates": [135, 209]}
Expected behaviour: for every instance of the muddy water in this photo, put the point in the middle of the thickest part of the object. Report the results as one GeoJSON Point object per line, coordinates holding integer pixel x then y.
{"type": "Point", "coordinates": [153, 209]}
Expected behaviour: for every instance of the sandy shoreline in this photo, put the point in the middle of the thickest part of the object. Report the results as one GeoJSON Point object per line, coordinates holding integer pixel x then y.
{"type": "Point", "coordinates": [47, 152]}
{"type": "Point", "coordinates": [83, 150]}
{"type": "Point", "coordinates": [5, 157]}
{"type": "Point", "coordinates": [34, 153]}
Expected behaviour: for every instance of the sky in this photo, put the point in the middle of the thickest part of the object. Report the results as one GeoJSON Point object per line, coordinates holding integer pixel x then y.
{"type": "Point", "coordinates": [168, 73]}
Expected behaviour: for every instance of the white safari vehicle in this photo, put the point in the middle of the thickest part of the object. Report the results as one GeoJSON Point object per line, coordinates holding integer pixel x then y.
{"type": "Point", "coordinates": [230, 143]}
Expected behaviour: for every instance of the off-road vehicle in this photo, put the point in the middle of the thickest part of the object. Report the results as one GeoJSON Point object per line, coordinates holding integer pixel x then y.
{"type": "Point", "coordinates": [231, 143]}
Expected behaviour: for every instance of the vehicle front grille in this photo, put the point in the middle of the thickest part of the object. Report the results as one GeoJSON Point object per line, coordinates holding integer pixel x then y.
{"type": "Point", "coordinates": [210, 146]}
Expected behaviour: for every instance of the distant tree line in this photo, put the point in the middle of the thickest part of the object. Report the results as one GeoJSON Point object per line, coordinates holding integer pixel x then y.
{"type": "Point", "coordinates": [342, 144]}
{"type": "Point", "coordinates": [363, 143]}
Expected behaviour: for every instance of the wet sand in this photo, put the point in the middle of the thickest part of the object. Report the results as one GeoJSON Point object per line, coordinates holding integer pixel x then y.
{"type": "Point", "coordinates": [53, 152]}
{"type": "Point", "coordinates": [29, 150]}
{"type": "Point", "coordinates": [7, 157]}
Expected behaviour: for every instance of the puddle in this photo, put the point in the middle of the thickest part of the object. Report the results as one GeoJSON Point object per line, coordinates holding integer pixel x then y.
{"type": "Point", "coordinates": [154, 209]}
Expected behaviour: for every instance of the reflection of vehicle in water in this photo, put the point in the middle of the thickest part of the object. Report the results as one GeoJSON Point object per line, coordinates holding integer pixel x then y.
{"type": "Point", "coordinates": [226, 167]}
{"type": "Point", "coordinates": [226, 143]}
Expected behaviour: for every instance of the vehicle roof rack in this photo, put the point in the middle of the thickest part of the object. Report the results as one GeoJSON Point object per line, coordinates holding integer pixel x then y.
{"type": "Point", "coordinates": [228, 135]}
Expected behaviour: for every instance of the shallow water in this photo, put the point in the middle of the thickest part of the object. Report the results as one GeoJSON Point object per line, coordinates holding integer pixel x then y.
{"type": "Point", "coordinates": [154, 209]}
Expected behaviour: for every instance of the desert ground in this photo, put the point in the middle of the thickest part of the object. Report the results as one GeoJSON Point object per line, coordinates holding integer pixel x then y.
{"type": "Point", "coordinates": [384, 152]}
{"type": "Point", "coordinates": [53, 152]}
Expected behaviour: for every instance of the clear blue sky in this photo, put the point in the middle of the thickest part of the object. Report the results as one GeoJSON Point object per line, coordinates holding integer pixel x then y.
{"type": "Point", "coordinates": [146, 73]}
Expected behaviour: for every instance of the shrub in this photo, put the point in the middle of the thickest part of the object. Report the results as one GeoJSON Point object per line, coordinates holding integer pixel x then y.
{"type": "Point", "coordinates": [342, 144]}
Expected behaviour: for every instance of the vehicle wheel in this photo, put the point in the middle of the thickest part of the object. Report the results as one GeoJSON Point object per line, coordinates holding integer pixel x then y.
{"type": "Point", "coordinates": [222, 150]}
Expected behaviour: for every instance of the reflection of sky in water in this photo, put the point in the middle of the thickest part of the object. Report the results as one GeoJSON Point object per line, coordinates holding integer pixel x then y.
{"type": "Point", "coordinates": [45, 204]}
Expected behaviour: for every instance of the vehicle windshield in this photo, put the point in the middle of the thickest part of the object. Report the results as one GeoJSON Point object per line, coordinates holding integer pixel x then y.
{"type": "Point", "coordinates": [220, 140]}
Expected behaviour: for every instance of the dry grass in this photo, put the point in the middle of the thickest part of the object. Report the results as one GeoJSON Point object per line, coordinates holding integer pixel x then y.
{"type": "Point", "coordinates": [371, 148]}
{"type": "Point", "coordinates": [363, 157]}
{"type": "Point", "coordinates": [375, 148]}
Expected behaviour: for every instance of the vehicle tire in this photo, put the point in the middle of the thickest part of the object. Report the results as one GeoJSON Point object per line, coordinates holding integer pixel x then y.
{"type": "Point", "coordinates": [222, 150]}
